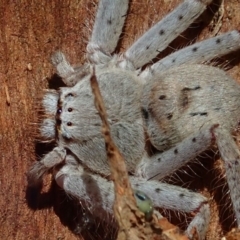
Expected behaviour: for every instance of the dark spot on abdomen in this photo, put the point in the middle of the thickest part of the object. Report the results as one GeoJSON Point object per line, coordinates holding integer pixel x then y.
{"type": "Point", "coordinates": [169, 116]}
{"type": "Point", "coordinates": [162, 97]}
{"type": "Point", "coordinates": [145, 113]}
{"type": "Point", "coordinates": [198, 114]}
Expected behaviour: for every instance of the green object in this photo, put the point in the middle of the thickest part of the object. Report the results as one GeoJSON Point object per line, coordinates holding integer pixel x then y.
{"type": "Point", "coordinates": [144, 203]}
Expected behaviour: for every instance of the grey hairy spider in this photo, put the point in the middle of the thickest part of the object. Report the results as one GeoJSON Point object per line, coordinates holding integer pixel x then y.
{"type": "Point", "coordinates": [180, 105]}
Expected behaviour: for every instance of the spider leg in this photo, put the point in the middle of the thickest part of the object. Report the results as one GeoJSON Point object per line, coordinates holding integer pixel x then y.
{"type": "Point", "coordinates": [40, 168]}
{"type": "Point", "coordinates": [69, 74]}
{"type": "Point", "coordinates": [164, 32]}
{"type": "Point", "coordinates": [97, 194]}
{"type": "Point", "coordinates": [176, 198]}
{"type": "Point", "coordinates": [197, 53]}
{"type": "Point", "coordinates": [63, 67]}
{"type": "Point", "coordinates": [231, 156]}
{"type": "Point", "coordinates": [94, 191]}
{"type": "Point", "coordinates": [107, 29]}
{"type": "Point", "coordinates": [163, 164]}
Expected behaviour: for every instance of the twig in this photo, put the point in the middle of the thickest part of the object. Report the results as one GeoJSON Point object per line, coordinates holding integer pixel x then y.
{"type": "Point", "coordinates": [132, 223]}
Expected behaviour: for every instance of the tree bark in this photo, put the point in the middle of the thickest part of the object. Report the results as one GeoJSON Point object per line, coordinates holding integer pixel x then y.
{"type": "Point", "coordinates": [30, 32]}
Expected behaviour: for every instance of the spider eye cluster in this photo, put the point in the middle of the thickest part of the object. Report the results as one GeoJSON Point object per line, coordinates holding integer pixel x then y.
{"type": "Point", "coordinates": [60, 120]}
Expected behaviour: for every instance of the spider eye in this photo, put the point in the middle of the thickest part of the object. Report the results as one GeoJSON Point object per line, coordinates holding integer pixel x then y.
{"type": "Point", "coordinates": [59, 111]}
{"type": "Point", "coordinates": [70, 109]}
{"type": "Point", "coordinates": [69, 123]}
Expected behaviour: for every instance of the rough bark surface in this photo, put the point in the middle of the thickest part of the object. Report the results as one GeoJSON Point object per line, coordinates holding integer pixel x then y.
{"type": "Point", "coordinates": [30, 31]}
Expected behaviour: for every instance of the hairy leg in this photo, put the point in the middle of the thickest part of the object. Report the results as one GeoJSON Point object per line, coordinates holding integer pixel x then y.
{"type": "Point", "coordinates": [107, 29]}
{"type": "Point", "coordinates": [197, 53]}
{"type": "Point", "coordinates": [40, 168]}
{"type": "Point", "coordinates": [164, 32]}
{"type": "Point", "coordinates": [97, 194]}
{"type": "Point", "coordinates": [163, 164]}
{"type": "Point", "coordinates": [231, 156]}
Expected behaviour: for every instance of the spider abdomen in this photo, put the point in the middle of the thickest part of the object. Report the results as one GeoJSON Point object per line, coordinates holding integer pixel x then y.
{"type": "Point", "coordinates": [182, 100]}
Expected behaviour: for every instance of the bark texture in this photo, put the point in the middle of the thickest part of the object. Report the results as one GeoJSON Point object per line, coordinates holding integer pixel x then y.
{"type": "Point", "coordinates": [30, 31]}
